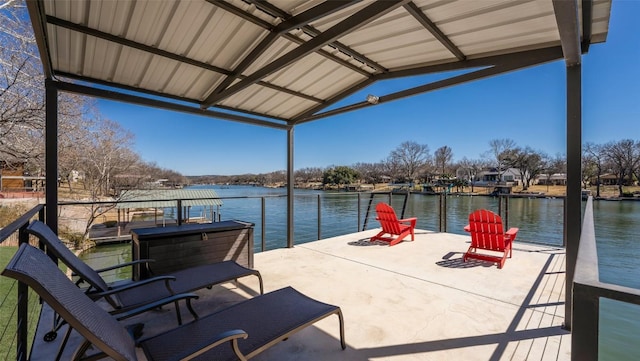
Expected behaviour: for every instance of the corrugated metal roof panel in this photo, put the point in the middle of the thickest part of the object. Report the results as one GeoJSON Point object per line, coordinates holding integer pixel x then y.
{"type": "Point", "coordinates": [188, 48]}
{"type": "Point", "coordinates": [161, 198]}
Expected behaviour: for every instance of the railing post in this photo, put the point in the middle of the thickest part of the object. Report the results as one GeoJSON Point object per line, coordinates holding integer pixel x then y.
{"type": "Point", "coordinates": [444, 212]}
{"type": "Point", "coordinates": [404, 204]}
{"type": "Point", "coordinates": [585, 324]}
{"type": "Point", "coordinates": [440, 215]}
{"type": "Point", "coordinates": [319, 218]}
{"type": "Point", "coordinates": [359, 215]}
{"type": "Point", "coordinates": [264, 221]}
{"type": "Point", "coordinates": [23, 306]}
{"type": "Point", "coordinates": [506, 212]}
{"type": "Point", "coordinates": [41, 214]}
{"type": "Point", "coordinates": [179, 211]}
{"type": "Point", "coordinates": [564, 224]}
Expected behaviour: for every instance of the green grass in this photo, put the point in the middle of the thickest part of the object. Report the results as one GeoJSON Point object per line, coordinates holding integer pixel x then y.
{"type": "Point", "coordinates": [8, 310]}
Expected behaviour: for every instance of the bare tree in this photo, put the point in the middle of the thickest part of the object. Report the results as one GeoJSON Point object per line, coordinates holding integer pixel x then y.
{"type": "Point", "coordinates": [553, 165]}
{"type": "Point", "coordinates": [593, 162]}
{"type": "Point", "coordinates": [410, 157]}
{"type": "Point", "coordinates": [371, 173]}
{"type": "Point", "coordinates": [391, 168]}
{"type": "Point", "coordinates": [21, 84]}
{"type": "Point", "coordinates": [498, 148]}
{"type": "Point", "coordinates": [636, 169]}
{"type": "Point", "coordinates": [469, 169]}
{"type": "Point", "coordinates": [107, 155]}
{"type": "Point", "coordinates": [22, 91]}
{"type": "Point", "coordinates": [624, 156]}
{"type": "Point", "coordinates": [442, 157]}
{"type": "Point", "coordinates": [530, 163]}
{"type": "Point", "coordinates": [309, 174]}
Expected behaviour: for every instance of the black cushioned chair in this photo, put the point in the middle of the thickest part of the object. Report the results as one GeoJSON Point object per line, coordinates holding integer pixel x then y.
{"type": "Point", "coordinates": [132, 295]}
{"type": "Point", "coordinates": [239, 332]}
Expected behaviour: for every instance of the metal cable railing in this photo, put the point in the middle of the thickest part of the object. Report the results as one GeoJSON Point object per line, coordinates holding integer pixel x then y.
{"type": "Point", "coordinates": [20, 308]}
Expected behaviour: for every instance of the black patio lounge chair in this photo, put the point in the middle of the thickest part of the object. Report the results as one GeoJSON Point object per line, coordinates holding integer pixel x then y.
{"type": "Point", "coordinates": [132, 295]}
{"type": "Point", "coordinates": [238, 332]}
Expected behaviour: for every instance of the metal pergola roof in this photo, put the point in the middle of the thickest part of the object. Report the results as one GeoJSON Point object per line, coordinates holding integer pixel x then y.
{"type": "Point", "coordinates": [283, 62]}
{"type": "Point", "coordinates": [279, 63]}
{"type": "Point", "coordinates": [167, 198]}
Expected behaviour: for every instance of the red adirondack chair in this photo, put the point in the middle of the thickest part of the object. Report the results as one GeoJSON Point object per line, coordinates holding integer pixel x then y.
{"type": "Point", "coordinates": [393, 226]}
{"type": "Point", "coordinates": [487, 234]}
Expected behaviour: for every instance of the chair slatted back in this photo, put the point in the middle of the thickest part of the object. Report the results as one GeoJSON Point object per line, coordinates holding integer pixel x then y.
{"type": "Point", "coordinates": [486, 230]}
{"type": "Point", "coordinates": [55, 246]}
{"type": "Point", "coordinates": [387, 218]}
{"type": "Point", "coordinates": [35, 269]}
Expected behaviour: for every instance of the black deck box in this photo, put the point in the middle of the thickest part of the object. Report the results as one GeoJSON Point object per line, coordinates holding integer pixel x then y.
{"type": "Point", "coordinates": [179, 247]}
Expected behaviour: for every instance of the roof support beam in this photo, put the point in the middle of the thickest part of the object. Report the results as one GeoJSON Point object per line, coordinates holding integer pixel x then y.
{"type": "Point", "coordinates": [506, 65]}
{"type": "Point", "coordinates": [308, 115]}
{"type": "Point", "coordinates": [297, 21]}
{"type": "Point", "coordinates": [434, 30]}
{"type": "Point", "coordinates": [475, 63]}
{"type": "Point", "coordinates": [501, 63]}
{"type": "Point", "coordinates": [369, 13]}
{"type": "Point", "coordinates": [587, 20]}
{"type": "Point", "coordinates": [568, 26]}
{"type": "Point", "coordinates": [265, 25]}
{"type": "Point", "coordinates": [274, 11]}
{"type": "Point", "coordinates": [155, 93]}
{"type": "Point", "coordinates": [36, 12]}
{"type": "Point", "coordinates": [133, 99]}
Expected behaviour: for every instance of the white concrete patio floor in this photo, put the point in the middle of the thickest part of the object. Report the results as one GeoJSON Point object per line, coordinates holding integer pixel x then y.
{"type": "Point", "coordinates": [419, 301]}
{"type": "Point", "coordinates": [413, 301]}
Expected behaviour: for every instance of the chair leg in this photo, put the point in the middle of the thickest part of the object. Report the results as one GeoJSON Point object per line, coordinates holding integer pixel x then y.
{"type": "Point", "coordinates": [377, 236]}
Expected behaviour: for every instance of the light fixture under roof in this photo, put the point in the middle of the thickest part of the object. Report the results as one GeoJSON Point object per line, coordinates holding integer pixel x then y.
{"type": "Point", "coordinates": [372, 99]}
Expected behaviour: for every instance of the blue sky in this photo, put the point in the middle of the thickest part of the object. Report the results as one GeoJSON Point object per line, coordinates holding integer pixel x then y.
{"type": "Point", "coordinates": [527, 106]}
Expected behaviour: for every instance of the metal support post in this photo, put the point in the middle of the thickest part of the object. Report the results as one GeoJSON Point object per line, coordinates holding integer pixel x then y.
{"type": "Point", "coordinates": [51, 155]}
{"type": "Point", "coordinates": [290, 179]}
{"type": "Point", "coordinates": [573, 202]}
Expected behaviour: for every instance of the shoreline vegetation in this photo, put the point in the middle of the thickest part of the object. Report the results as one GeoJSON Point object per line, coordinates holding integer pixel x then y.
{"type": "Point", "coordinates": [71, 217]}
{"type": "Point", "coordinates": [608, 192]}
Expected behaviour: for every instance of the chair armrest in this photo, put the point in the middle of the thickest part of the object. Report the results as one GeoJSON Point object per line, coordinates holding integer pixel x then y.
{"type": "Point", "coordinates": [511, 233]}
{"type": "Point", "coordinates": [467, 228]}
{"type": "Point", "coordinates": [411, 220]}
{"type": "Point", "coordinates": [122, 314]}
{"type": "Point", "coordinates": [121, 265]}
{"type": "Point", "coordinates": [231, 335]}
{"type": "Point", "coordinates": [128, 286]}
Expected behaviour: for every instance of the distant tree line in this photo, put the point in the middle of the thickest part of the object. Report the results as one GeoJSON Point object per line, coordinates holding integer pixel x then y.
{"type": "Point", "coordinates": [412, 162]}
{"type": "Point", "coordinates": [620, 159]}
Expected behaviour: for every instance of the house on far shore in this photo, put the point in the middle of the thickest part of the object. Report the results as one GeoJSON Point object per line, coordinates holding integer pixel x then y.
{"type": "Point", "coordinates": [555, 179]}
{"type": "Point", "coordinates": [491, 176]}
{"type": "Point", "coordinates": [607, 179]}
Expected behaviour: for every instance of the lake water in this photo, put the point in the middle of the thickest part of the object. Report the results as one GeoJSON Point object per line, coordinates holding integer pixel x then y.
{"type": "Point", "coordinates": [540, 220]}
